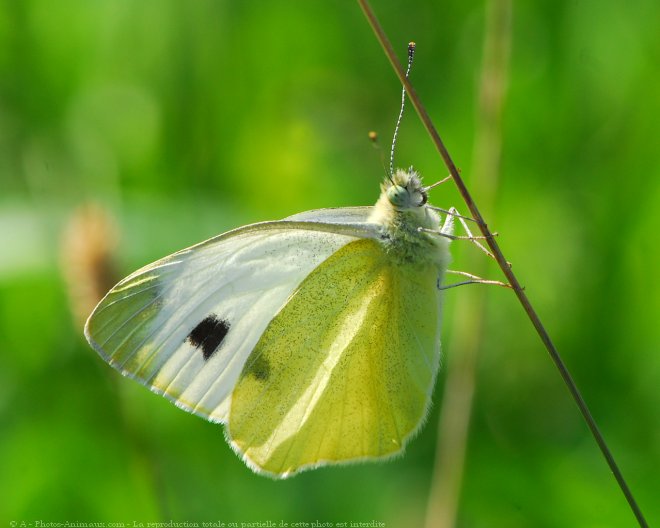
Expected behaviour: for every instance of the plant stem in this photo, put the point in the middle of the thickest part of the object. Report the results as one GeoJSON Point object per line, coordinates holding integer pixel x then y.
{"type": "Point", "coordinates": [502, 262]}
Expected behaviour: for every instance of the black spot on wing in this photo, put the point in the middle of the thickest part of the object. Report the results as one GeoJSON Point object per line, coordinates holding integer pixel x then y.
{"type": "Point", "coordinates": [209, 335]}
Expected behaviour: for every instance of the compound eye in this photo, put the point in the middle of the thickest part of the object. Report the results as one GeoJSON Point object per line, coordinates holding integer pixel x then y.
{"type": "Point", "coordinates": [424, 199]}
{"type": "Point", "coordinates": [397, 195]}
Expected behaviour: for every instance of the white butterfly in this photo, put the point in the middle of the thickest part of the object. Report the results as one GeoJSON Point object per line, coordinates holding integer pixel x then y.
{"type": "Point", "coordinates": [315, 339]}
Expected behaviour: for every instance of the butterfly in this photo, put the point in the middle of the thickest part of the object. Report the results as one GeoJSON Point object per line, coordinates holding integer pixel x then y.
{"type": "Point", "coordinates": [314, 339]}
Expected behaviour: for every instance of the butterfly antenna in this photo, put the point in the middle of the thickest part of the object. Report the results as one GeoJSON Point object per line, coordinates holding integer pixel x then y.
{"type": "Point", "coordinates": [411, 54]}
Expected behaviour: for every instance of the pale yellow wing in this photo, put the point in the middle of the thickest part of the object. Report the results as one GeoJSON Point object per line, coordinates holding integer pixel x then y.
{"type": "Point", "coordinates": [345, 370]}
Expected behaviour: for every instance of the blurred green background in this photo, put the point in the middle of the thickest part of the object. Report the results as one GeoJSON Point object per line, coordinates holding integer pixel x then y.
{"type": "Point", "coordinates": [185, 119]}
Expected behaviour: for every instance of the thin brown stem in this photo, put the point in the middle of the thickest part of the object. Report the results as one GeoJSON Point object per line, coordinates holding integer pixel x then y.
{"type": "Point", "coordinates": [502, 262]}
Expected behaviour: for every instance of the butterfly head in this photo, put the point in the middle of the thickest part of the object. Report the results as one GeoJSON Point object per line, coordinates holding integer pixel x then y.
{"type": "Point", "coordinates": [404, 190]}
{"type": "Point", "coordinates": [403, 215]}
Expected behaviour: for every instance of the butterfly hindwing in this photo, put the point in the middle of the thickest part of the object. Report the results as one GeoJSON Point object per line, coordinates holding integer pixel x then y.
{"type": "Point", "coordinates": [345, 370]}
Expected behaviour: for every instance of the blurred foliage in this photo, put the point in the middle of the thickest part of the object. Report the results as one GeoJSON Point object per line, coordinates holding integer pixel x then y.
{"type": "Point", "coordinates": [185, 119]}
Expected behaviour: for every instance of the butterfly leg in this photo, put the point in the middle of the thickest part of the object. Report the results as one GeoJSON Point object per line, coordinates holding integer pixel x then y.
{"type": "Point", "coordinates": [440, 182]}
{"type": "Point", "coordinates": [453, 212]}
{"type": "Point", "coordinates": [473, 279]}
{"type": "Point", "coordinates": [447, 229]}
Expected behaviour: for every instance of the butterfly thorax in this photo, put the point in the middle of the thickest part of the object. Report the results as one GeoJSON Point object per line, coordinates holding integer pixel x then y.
{"type": "Point", "coordinates": [402, 213]}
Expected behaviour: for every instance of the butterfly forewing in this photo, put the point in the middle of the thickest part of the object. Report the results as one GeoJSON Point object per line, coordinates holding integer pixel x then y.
{"type": "Point", "coordinates": [186, 324]}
